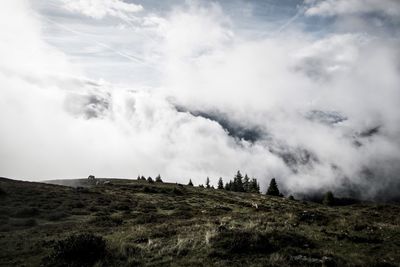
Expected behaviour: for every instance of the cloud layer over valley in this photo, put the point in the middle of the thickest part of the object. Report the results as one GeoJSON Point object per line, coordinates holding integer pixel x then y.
{"type": "Point", "coordinates": [194, 89]}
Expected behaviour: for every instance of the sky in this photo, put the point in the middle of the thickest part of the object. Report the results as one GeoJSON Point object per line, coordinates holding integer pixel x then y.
{"type": "Point", "coordinates": [306, 91]}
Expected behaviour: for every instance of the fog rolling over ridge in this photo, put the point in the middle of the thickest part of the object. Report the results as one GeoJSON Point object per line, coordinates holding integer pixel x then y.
{"type": "Point", "coordinates": [307, 92]}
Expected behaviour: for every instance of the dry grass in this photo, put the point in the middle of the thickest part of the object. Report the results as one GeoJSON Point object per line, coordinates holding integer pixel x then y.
{"type": "Point", "coordinates": [167, 224]}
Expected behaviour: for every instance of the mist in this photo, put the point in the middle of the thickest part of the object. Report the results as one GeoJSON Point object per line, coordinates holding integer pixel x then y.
{"type": "Point", "coordinates": [190, 92]}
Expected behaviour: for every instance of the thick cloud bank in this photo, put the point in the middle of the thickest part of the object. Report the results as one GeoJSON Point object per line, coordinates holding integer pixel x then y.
{"type": "Point", "coordinates": [316, 111]}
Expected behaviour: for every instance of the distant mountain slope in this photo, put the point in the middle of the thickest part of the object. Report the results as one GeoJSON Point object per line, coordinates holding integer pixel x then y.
{"type": "Point", "coordinates": [169, 224]}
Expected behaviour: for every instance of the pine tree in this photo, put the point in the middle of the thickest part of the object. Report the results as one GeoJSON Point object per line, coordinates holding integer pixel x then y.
{"type": "Point", "coordinates": [254, 187]}
{"type": "Point", "coordinates": [273, 188]}
{"type": "Point", "coordinates": [190, 182]}
{"type": "Point", "coordinates": [208, 182]}
{"type": "Point", "coordinates": [150, 180]}
{"type": "Point", "coordinates": [246, 183]}
{"type": "Point", "coordinates": [227, 187]}
{"type": "Point", "coordinates": [143, 178]}
{"type": "Point", "coordinates": [158, 179]}
{"type": "Point", "coordinates": [138, 178]}
{"type": "Point", "coordinates": [220, 183]}
{"type": "Point", "coordinates": [238, 182]}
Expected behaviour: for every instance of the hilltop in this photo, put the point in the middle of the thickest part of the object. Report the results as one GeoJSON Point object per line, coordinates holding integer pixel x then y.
{"type": "Point", "coordinates": [134, 223]}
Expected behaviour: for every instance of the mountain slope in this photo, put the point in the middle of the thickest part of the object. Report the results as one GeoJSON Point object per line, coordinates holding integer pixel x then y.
{"type": "Point", "coordinates": [168, 224]}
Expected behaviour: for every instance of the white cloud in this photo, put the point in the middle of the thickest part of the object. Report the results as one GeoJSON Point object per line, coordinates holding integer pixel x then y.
{"type": "Point", "coordinates": [16, 58]}
{"type": "Point", "coordinates": [101, 8]}
{"type": "Point", "coordinates": [273, 82]}
{"type": "Point", "coordinates": [60, 126]}
{"type": "Point", "coordinates": [389, 8]}
{"type": "Point", "coordinates": [196, 31]}
{"type": "Point", "coordinates": [330, 56]}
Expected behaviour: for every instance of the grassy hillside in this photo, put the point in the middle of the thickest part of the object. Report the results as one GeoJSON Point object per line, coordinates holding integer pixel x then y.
{"type": "Point", "coordinates": [141, 224]}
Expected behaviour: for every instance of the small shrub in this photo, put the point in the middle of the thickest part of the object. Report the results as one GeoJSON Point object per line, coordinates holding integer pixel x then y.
{"type": "Point", "coordinates": [78, 250]}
